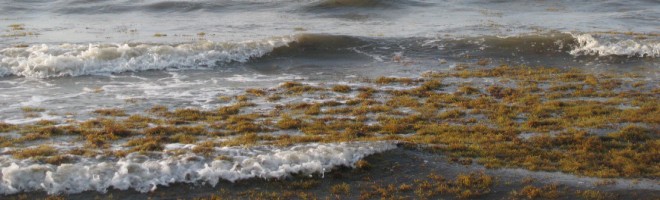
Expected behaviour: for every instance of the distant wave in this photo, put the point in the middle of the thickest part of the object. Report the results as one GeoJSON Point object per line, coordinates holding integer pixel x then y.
{"type": "Point", "coordinates": [77, 7]}
{"type": "Point", "coordinates": [366, 4]}
{"type": "Point", "coordinates": [92, 7]}
{"type": "Point", "coordinates": [158, 6]}
{"type": "Point", "coordinates": [146, 173]}
{"type": "Point", "coordinates": [355, 3]}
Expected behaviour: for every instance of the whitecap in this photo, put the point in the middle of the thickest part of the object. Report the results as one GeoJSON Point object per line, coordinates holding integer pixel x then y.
{"type": "Point", "coordinates": [147, 173]}
{"type": "Point", "coordinates": [45, 60]}
{"type": "Point", "coordinates": [589, 45]}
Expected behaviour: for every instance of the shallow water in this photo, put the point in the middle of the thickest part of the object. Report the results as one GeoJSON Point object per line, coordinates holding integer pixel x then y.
{"type": "Point", "coordinates": [71, 57]}
{"type": "Point", "coordinates": [410, 165]}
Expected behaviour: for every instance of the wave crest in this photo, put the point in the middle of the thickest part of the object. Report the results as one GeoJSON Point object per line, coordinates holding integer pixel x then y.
{"type": "Point", "coordinates": [44, 61]}
{"type": "Point", "coordinates": [587, 44]}
{"type": "Point", "coordinates": [145, 174]}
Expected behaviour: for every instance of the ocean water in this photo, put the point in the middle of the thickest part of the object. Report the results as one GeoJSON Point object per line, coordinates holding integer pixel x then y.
{"type": "Point", "coordinates": [71, 57]}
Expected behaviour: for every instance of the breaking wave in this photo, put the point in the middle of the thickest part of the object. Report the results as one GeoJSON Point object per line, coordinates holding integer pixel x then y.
{"type": "Point", "coordinates": [45, 60]}
{"type": "Point", "coordinates": [145, 173]}
{"type": "Point", "coordinates": [589, 45]}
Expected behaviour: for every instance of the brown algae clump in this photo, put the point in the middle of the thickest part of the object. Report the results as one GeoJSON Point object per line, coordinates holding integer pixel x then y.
{"type": "Point", "coordinates": [115, 112]}
{"type": "Point", "coordinates": [341, 88]}
{"type": "Point", "coordinates": [39, 151]}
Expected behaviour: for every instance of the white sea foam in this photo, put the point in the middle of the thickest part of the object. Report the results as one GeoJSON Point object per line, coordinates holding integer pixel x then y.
{"type": "Point", "coordinates": [589, 45]}
{"type": "Point", "coordinates": [43, 60]}
{"type": "Point", "coordinates": [146, 173]}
